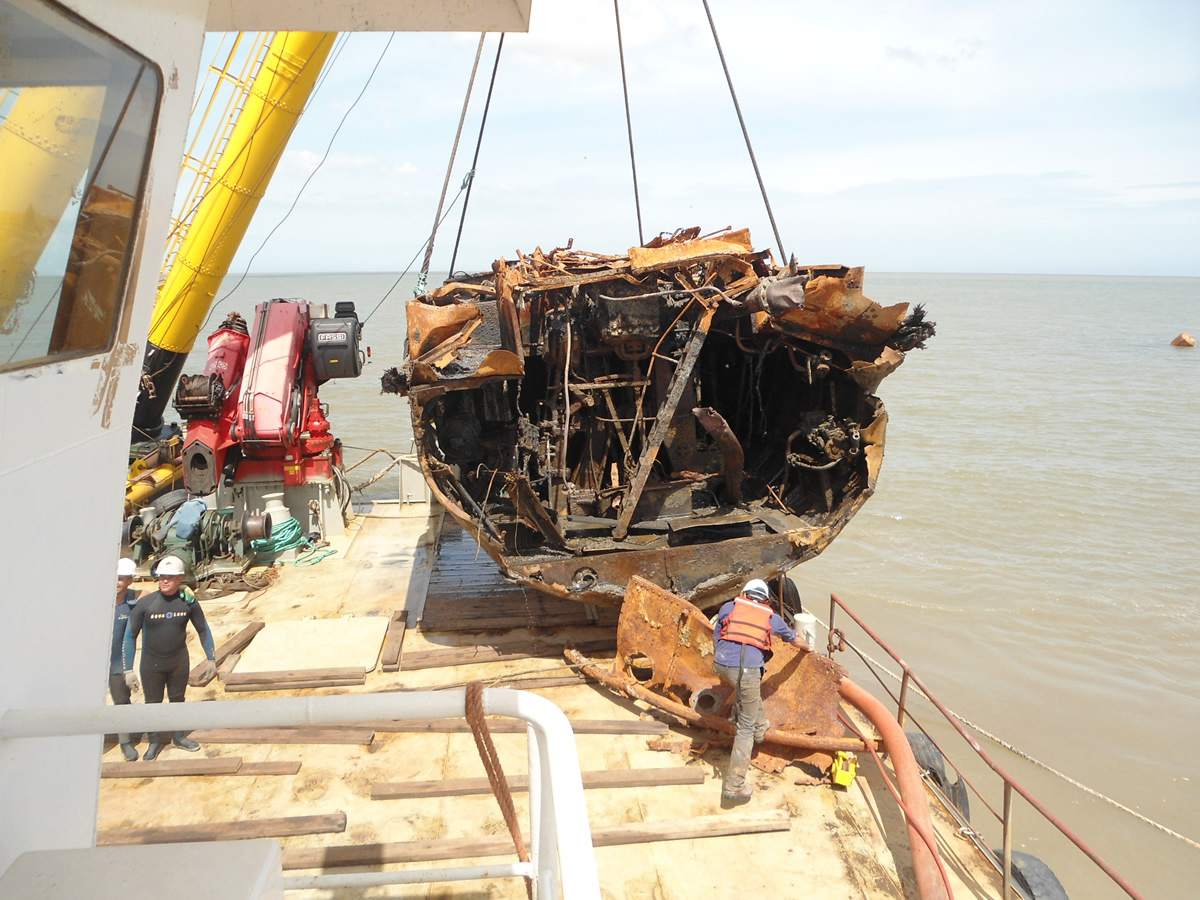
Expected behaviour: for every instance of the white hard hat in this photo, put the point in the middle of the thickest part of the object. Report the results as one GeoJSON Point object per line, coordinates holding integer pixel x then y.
{"type": "Point", "coordinates": [126, 567]}
{"type": "Point", "coordinates": [756, 589]}
{"type": "Point", "coordinates": [170, 565]}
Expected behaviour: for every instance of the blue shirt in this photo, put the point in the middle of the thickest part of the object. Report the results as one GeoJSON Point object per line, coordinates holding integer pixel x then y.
{"type": "Point", "coordinates": [729, 653]}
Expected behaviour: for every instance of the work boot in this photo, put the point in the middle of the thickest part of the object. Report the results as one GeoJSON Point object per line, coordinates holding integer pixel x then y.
{"type": "Point", "coordinates": [151, 753]}
{"type": "Point", "coordinates": [127, 748]}
{"type": "Point", "coordinates": [738, 795]}
{"type": "Point", "coordinates": [184, 743]}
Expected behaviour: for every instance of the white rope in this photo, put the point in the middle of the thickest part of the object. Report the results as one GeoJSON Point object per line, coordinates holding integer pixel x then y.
{"type": "Point", "coordinates": [1025, 756]}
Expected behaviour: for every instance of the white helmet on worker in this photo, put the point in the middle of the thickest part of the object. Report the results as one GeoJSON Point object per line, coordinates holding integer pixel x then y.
{"type": "Point", "coordinates": [170, 565]}
{"type": "Point", "coordinates": [126, 567]}
{"type": "Point", "coordinates": [756, 589]}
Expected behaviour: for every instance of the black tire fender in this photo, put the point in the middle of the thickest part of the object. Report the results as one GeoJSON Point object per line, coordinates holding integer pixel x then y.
{"type": "Point", "coordinates": [1036, 879]}
{"type": "Point", "coordinates": [169, 501]}
{"type": "Point", "coordinates": [931, 760]}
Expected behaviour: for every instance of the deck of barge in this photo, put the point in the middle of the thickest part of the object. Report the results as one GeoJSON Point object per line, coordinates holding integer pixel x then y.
{"type": "Point", "coordinates": [818, 841]}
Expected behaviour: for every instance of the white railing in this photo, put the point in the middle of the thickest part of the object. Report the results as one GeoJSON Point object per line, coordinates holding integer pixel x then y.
{"type": "Point", "coordinates": [560, 839]}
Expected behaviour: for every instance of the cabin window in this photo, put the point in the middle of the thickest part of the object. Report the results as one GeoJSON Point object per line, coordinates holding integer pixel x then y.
{"type": "Point", "coordinates": [77, 116]}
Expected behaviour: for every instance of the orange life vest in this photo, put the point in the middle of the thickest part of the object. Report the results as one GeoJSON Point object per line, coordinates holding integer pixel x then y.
{"type": "Point", "coordinates": [749, 623]}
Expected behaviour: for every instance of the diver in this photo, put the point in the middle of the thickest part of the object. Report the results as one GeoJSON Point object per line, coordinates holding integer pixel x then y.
{"type": "Point", "coordinates": [164, 616]}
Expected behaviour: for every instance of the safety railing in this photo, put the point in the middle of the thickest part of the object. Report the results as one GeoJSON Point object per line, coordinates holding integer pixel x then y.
{"type": "Point", "coordinates": [909, 679]}
{"type": "Point", "coordinates": [560, 846]}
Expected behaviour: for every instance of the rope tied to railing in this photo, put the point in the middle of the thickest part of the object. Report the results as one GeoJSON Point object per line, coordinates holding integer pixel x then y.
{"type": "Point", "coordinates": [495, 773]}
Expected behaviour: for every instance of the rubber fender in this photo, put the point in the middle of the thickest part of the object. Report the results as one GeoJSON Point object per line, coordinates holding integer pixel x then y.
{"type": "Point", "coordinates": [1036, 879]}
{"type": "Point", "coordinates": [931, 760]}
{"type": "Point", "coordinates": [169, 501]}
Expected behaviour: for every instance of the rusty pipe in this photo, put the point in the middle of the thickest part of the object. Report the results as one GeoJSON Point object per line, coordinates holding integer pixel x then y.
{"type": "Point", "coordinates": [712, 723]}
{"type": "Point", "coordinates": [732, 455]}
{"type": "Point", "coordinates": [912, 789]}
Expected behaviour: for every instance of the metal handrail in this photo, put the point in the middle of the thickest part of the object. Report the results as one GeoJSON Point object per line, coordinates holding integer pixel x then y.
{"type": "Point", "coordinates": [1010, 783]}
{"type": "Point", "coordinates": [560, 839]}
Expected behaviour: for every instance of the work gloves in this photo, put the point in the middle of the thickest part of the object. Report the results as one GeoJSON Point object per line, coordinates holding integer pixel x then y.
{"type": "Point", "coordinates": [210, 670]}
{"type": "Point", "coordinates": [131, 681]}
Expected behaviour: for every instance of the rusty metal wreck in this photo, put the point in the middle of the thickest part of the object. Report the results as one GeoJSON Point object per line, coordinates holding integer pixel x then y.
{"type": "Point", "coordinates": [689, 412]}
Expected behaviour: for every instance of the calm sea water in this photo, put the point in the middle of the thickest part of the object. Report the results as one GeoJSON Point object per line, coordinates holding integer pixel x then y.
{"type": "Point", "coordinates": [1031, 550]}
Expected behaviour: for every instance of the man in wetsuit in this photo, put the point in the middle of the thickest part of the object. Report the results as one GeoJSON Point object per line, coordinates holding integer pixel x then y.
{"type": "Point", "coordinates": [743, 636]}
{"type": "Point", "coordinates": [127, 599]}
{"type": "Point", "coordinates": [163, 616]}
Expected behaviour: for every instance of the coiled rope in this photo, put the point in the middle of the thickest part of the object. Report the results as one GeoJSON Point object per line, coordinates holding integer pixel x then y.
{"type": "Point", "coordinates": [288, 536]}
{"type": "Point", "coordinates": [1018, 752]}
{"type": "Point", "coordinates": [495, 773]}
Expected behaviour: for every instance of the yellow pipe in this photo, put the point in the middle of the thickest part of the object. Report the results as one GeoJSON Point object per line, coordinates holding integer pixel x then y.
{"type": "Point", "coordinates": [150, 484]}
{"type": "Point", "coordinates": [46, 143]}
{"type": "Point", "coordinates": [276, 100]}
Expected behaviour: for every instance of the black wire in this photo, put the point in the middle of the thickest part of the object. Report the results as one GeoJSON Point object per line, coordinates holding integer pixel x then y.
{"type": "Point", "coordinates": [475, 161]}
{"type": "Point", "coordinates": [637, 202]}
{"type": "Point", "coordinates": [312, 174]}
{"type": "Point", "coordinates": [745, 134]}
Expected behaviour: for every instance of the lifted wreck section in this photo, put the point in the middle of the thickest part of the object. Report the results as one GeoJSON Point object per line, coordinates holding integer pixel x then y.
{"type": "Point", "coordinates": [689, 412]}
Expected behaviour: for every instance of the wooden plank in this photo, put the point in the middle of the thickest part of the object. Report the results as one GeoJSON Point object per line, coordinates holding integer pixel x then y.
{"type": "Point", "coordinates": [393, 641]}
{"type": "Point", "coordinates": [275, 767]}
{"type": "Point", "coordinates": [470, 848]}
{"type": "Point", "coordinates": [291, 685]}
{"type": "Point", "coordinates": [302, 735]}
{"type": "Point", "coordinates": [299, 675]}
{"type": "Point", "coordinates": [235, 644]}
{"type": "Point", "coordinates": [459, 787]}
{"type": "Point", "coordinates": [461, 656]}
{"type": "Point", "coordinates": [248, 829]}
{"type": "Point", "coordinates": [227, 665]}
{"type": "Point", "coordinates": [515, 726]}
{"type": "Point", "coordinates": [159, 768]}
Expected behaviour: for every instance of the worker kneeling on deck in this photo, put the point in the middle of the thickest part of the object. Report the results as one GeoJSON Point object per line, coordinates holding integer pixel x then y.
{"type": "Point", "coordinates": [163, 617]}
{"type": "Point", "coordinates": [743, 635]}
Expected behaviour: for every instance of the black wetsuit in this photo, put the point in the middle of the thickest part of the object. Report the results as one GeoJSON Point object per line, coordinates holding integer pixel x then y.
{"type": "Point", "coordinates": [117, 688]}
{"type": "Point", "coordinates": [162, 621]}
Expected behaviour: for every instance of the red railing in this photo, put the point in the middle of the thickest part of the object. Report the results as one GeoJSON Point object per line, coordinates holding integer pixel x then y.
{"type": "Point", "coordinates": [836, 642]}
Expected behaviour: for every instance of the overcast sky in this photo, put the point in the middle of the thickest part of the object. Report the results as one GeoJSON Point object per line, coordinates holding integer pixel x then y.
{"type": "Point", "coordinates": [1029, 136]}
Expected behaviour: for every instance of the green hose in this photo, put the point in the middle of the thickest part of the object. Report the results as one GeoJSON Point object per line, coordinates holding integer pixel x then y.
{"type": "Point", "coordinates": [285, 537]}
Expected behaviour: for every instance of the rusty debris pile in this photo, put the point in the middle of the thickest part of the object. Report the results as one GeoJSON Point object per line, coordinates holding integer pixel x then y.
{"type": "Point", "coordinates": [690, 412]}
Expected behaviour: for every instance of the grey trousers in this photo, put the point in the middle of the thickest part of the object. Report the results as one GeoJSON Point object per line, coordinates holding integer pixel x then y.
{"type": "Point", "coordinates": [751, 721]}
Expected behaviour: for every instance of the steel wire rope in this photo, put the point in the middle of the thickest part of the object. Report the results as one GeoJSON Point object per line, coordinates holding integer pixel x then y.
{"type": "Point", "coordinates": [1021, 753]}
{"type": "Point", "coordinates": [470, 179]}
{"type": "Point", "coordinates": [637, 202]}
{"type": "Point", "coordinates": [437, 216]}
{"type": "Point", "coordinates": [312, 174]}
{"type": "Point", "coordinates": [745, 134]}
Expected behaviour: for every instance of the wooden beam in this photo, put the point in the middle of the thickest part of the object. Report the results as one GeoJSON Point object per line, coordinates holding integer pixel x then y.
{"type": "Point", "coordinates": [470, 848]}
{"type": "Point", "coordinates": [666, 411]}
{"type": "Point", "coordinates": [459, 787]}
{"type": "Point", "coordinates": [274, 767]}
{"type": "Point", "coordinates": [393, 641]}
{"type": "Point", "coordinates": [290, 685]}
{"type": "Point", "coordinates": [332, 823]}
{"type": "Point", "coordinates": [235, 644]}
{"type": "Point", "coordinates": [334, 734]}
{"type": "Point", "coordinates": [515, 726]}
{"type": "Point", "coordinates": [227, 665]}
{"type": "Point", "coordinates": [299, 675]}
{"type": "Point", "coordinates": [158, 768]}
{"type": "Point", "coordinates": [461, 656]}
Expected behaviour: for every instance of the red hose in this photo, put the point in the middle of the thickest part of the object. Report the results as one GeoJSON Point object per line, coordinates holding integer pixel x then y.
{"type": "Point", "coordinates": [926, 865]}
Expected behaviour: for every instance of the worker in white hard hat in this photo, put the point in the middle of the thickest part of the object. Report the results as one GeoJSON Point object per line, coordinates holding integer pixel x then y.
{"type": "Point", "coordinates": [743, 631]}
{"type": "Point", "coordinates": [127, 599]}
{"type": "Point", "coordinates": [162, 618]}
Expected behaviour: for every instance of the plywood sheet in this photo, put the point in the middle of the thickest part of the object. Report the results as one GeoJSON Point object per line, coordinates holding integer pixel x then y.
{"type": "Point", "coordinates": [316, 644]}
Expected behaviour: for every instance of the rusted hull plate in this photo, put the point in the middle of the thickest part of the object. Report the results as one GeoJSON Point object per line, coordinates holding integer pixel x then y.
{"type": "Point", "coordinates": [665, 656]}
